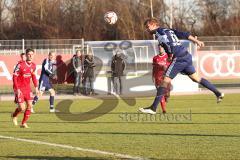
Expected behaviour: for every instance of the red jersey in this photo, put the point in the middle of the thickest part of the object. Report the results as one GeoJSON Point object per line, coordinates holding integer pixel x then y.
{"type": "Point", "coordinates": [23, 72]}
{"type": "Point", "coordinates": [20, 61]}
{"type": "Point", "coordinates": [160, 64]}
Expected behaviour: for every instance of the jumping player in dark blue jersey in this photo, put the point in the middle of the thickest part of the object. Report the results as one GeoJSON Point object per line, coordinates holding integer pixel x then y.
{"type": "Point", "coordinates": [181, 60]}
{"type": "Point", "coordinates": [44, 81]}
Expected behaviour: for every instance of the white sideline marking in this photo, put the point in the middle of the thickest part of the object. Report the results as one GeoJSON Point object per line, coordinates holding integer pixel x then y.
{"type": "Point", "coordinates": [74, 148]}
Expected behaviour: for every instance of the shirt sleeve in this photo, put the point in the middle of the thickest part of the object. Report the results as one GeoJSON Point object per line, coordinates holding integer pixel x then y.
{"type": "Point", "coordinates": [47, 67]}
{"type": "Point", "coordinates": [16, 74]}
{"type": "Point", "coordinates": [181, 35]}
{"type": "Point", "coordinates": [34, 78]}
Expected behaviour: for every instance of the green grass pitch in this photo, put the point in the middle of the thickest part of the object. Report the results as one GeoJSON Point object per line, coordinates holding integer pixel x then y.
{"type": "Point", "coordinates": [194, 128]}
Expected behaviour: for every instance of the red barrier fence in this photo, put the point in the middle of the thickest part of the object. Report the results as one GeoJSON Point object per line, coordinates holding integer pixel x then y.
{"type": "Point", "coordinates": [211, 65]}
{"type": "Point", "coordinates": [219, 64]}
{"type": "Point", "coordinates": [8, 62]}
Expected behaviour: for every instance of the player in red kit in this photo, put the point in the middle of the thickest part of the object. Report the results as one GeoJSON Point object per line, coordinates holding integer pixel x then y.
{"type": "Point", "coordinates": [23, 58]}
{"type": "Point", "coordinates": [160, 64]}
{"type": "Point", "coordinates": [23, 73]}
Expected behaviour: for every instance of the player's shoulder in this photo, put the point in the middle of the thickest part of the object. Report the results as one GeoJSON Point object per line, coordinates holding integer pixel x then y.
{"type": "Point", "coordinates": [44, 61]}
{"type": "Point", "coordinates": [20, 64]}
{"type": "Point", "coordinates": [156, 58]}
{"type": "Point", "coordinates": [33, 65]}
{"type": "Point", "coordinates": [20, 61]}
{"type": "Point", "coordinates": [161, 55]}
{"type": "Point", "coordinates": [161, 30]}
{"type": "Point", "coordinates": [164, 55]}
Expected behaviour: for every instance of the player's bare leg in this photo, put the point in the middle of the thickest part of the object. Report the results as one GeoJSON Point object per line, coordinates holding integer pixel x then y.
{"type": "Point", "coordinates": [207, 85]}
{"type": "Point", "coordinates": [27, 114]}
{"type": "Point", "coordinates": [19, 109]}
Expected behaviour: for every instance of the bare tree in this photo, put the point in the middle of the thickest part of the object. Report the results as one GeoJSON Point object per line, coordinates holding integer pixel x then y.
{"type": "Point", "coordinates": [84, 18]}
{"type": "Point", "coordinates": [214, 12]}
{"type": "Point", "coordinates": [4, 13]}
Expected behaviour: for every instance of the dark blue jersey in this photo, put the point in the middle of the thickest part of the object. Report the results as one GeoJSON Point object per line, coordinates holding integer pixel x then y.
{"type": "Point", "coordinates": [169, 40]}
{"type": "Point", "coordinates": [47, 69]}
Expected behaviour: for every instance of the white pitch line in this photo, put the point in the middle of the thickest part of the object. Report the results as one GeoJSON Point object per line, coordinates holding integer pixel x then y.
{"type": "Point", "coordinates": [74, 148]}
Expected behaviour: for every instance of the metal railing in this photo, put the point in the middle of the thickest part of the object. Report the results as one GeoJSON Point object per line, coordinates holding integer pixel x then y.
{"type": "Point", "coordinates": [64, 46]}
{"type": "Point", "coordinates": [41, 45]}
{"type": "Point", "coordinates": [221, 43]}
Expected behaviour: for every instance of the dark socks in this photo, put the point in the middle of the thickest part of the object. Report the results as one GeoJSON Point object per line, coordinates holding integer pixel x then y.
{"type": "Point", "coordinates": [51, 101]}
{"type": "Point", "coordinates": [160, 93]}
{"type": "Point", "coordinates": [35, 99]}
{"type": "Point", "coordinates": [210, 86]}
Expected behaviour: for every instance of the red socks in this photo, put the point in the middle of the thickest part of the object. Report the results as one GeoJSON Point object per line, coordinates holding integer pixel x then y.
{"type": "Point", "coordinates": [163, 104]}
{"type": "Point", "coordinates": [26, 115]}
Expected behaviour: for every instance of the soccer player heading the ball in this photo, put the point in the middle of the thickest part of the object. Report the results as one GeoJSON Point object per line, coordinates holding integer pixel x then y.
{"type": "Point", "coordinates": [181, 61]}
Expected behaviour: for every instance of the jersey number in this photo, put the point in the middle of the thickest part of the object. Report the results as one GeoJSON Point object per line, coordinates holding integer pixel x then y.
{"type": "Point", "coordinates": [174, 38]}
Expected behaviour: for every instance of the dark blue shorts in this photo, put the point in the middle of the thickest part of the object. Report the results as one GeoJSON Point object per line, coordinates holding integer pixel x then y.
{"type": "Point", "coordinates": [180, 65]}
{"type": "Point", "coordinates": [44, 85]}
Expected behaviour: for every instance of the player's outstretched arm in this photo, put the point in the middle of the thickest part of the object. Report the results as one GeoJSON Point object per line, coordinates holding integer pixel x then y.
{"type": "Point", "coordinates": [195, 40]}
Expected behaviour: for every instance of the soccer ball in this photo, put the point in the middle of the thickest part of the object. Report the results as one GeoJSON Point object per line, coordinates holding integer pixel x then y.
{"type": "Point", "coordinates": [110, 17]}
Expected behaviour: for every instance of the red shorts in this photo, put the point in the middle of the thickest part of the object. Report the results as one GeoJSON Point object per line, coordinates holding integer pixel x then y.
{"type": "Point", "coordinates": [24, 97]}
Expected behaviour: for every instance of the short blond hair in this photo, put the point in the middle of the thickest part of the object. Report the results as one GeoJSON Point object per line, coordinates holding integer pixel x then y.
{"type": "Point", "coordinates": [151, 21]}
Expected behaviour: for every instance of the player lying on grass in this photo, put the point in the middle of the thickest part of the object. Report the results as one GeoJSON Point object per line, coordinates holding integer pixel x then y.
{"type": "Point", "coordinates": [181, 61]}
{"type": "Point", "coordinates": [160, 64]}
{"type": "Point", "coordinates": [23, 73]}
{"type": "Point", "coordinates": [44, 82]}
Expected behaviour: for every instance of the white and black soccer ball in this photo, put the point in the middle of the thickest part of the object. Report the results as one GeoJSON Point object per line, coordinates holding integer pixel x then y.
{"type": "Point", "coordinates": [110, 17]}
